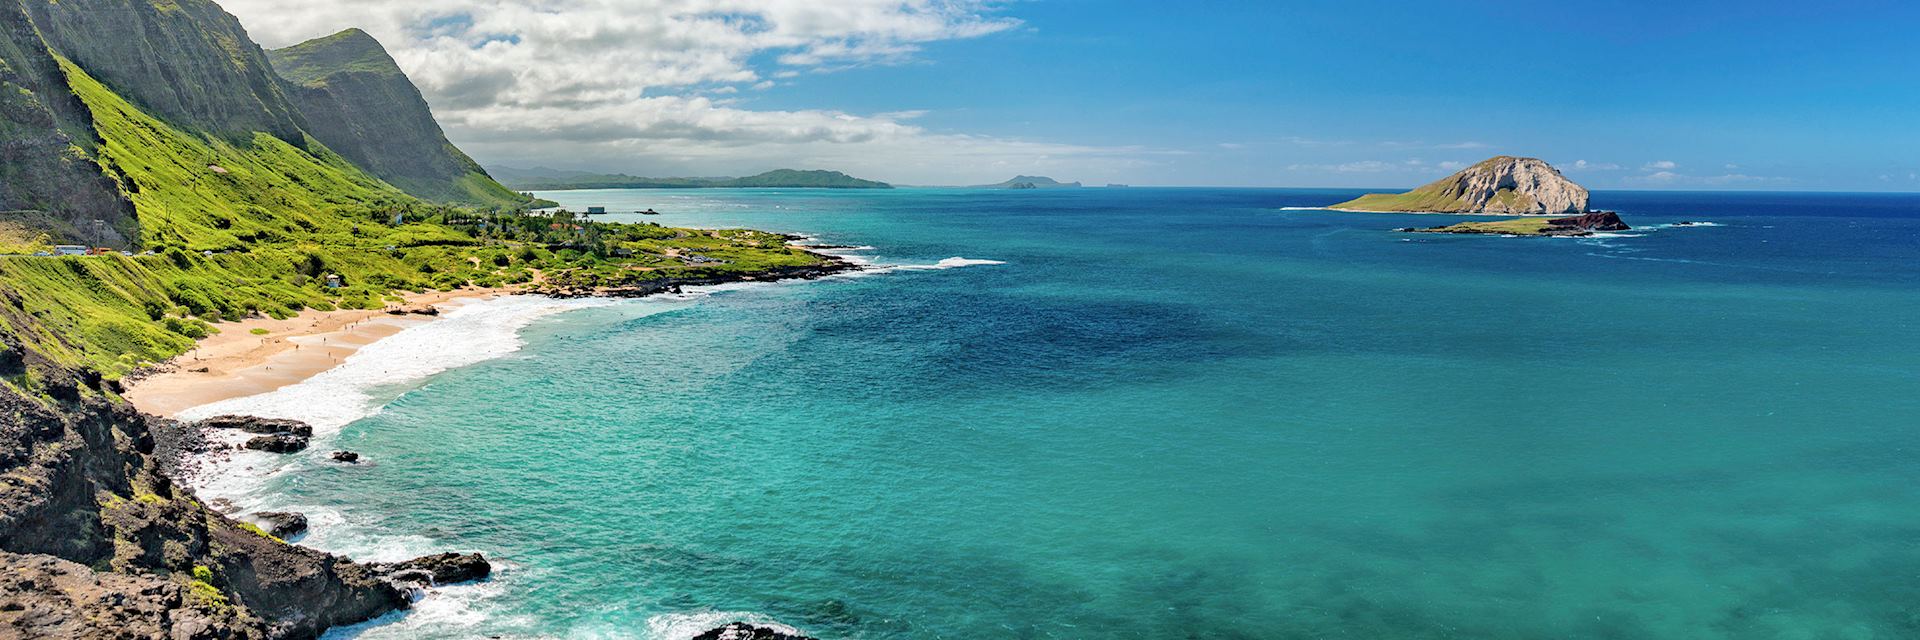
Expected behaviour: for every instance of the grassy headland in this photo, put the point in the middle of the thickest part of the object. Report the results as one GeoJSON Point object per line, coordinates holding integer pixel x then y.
{"type": "Point", "coordinates": [254, 228]}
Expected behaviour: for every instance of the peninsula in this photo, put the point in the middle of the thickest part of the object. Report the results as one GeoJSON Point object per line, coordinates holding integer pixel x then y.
{"type": "Point", "coordinates": [1501, 185]}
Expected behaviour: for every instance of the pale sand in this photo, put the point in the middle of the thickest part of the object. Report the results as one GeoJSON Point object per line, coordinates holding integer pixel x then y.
{"type": "Point", "coordinates": [239, 363]}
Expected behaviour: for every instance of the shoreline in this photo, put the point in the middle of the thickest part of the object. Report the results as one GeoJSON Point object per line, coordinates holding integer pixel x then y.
{"type": "Point", "coordinates": [239, 362]}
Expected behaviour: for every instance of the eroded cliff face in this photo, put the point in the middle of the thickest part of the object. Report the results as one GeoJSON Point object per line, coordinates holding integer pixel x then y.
{"type": "Point", "coordinates": [357, 101]}
{"type": "Point", "coordinates": [187, 61]}
{"type": "Point", "coordinates": [1500, 185]}
{"type": "Point", "coordinates": [96, 542]}
{"type": "Point", "coordinates": [48, 178]}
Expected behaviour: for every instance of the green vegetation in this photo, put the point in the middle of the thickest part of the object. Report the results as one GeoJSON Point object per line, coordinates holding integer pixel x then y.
{"type": "Point", "coordinates": [356, 100]}
{"type": "Point", "coordinates": [201, 591]}
{"type": "Point", "coordinates": [1430, 200]}
{"type": "Point", "coordinates": [777, 179]}
{"type": "Point", "coordinates": [235, 226]}
{"type": "Point", "coordinates": [256, 530]}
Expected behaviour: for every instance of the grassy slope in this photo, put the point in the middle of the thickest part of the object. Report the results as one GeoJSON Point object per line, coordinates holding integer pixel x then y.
{"type": "Point", "coordinates": [1440, 196]}
{"type": "Point", "coordinates": [279, 218]}
{"type": "Point", "coordinates": [356, 98]}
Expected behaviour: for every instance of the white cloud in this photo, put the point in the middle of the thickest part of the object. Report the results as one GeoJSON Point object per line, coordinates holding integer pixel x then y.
{"type": "Point", "coordinates": [1670, 178]}
{"type": "Point", "coordinates": [1363, 166]}
{"type": "Point", "coordinates": [627, 84]}
{"type": "Point", "coordinates": [1660, 165]}
{"type": "Point", "coordinates": [1595, 166]}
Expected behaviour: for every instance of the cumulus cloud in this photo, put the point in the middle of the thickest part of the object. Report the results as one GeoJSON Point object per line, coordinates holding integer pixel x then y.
{"type": "Point", "coordinates": [1660, 165]}
{"type": "Point", "coordinates": [631, 84]}
{"type": "Point", "coordinates": [1595, 166]}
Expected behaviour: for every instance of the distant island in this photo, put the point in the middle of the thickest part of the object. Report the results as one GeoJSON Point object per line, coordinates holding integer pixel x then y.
{"type": "Point", "coordinates": [1501, 185]}
{"type": "Point", "coordinates": [1029, 182]}
{"type": "Point", "coordinates": [543, 179]}
{"type": "Point", "coordinates": [1573, 226]}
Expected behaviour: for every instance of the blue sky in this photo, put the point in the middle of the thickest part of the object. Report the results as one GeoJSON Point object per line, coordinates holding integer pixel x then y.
{"type": "Point", "coordinates": [1696, 95]}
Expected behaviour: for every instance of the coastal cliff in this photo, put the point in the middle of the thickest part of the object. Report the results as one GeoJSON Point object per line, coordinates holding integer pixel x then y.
{"type": "Point", "coordinates": [356, 100]}
{"type": "Point", "coordinates": [99, 542]}
{"type": "Point", "coordinates": [1502, 185]}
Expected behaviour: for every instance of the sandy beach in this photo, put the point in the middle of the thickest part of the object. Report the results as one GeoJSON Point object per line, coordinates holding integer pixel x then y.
{"type": "Point", "coordinates": [258, 355]}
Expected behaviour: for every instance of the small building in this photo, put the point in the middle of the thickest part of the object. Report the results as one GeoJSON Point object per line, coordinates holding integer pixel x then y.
{"type": "Point", "coordinates": [333, 281]}
{"type": "Point", "coordinates": [69, 250]}
{"type": "Point", "coordinates": [596, 211]}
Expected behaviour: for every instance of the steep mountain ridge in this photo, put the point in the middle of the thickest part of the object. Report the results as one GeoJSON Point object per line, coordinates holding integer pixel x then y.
{"type": "Point", "coordinates": [359, 103]}
{"type": "Point", "coordinates": [1504, 185]}
{"type": "Point", "coordinates": [48, 178]}
{"type": "Point", "coordinates": [187, 62]}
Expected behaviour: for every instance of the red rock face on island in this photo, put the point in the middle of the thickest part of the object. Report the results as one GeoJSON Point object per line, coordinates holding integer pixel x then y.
{"type": "Point", "coordinates": [1502, 185]}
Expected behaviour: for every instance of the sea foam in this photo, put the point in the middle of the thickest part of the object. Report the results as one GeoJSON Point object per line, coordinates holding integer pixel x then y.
{"type": "Point", "coordinates": [468, 335]}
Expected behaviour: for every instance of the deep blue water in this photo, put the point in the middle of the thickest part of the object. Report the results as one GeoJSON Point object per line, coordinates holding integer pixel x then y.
{"type": "Point", "coordinates": [1192, 413]}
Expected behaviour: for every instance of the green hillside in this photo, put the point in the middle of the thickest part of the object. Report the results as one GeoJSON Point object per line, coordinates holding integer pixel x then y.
{"type": "Point", "coordinates": [236, 223]}
{"type": "Point", "coordinates": [357, 101]}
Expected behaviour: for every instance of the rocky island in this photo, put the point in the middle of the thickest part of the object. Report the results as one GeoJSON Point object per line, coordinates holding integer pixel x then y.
{"type": "Point", "coordinates": [1501, 185]}
{"type": "Point", "coordinates": [1573, 226]}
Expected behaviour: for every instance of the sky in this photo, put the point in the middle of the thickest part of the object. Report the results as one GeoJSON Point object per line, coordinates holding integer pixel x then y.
{"type": "Point", "coordinates": [1363, 93]}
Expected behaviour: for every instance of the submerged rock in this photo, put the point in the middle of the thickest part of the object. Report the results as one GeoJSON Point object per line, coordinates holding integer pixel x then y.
{"type": "Point", "coordinates": [277, 444]}
{"type": "Point", "coordinates": [263, 426]}
{"type": "Point", "coordinates": [346, 457]}
{"type": "Point", "coordinates": [281, 524]}
{"type": "Point", "coordinates": [744, 631]}
{"type": "Point", "coordinates": [437, 569]}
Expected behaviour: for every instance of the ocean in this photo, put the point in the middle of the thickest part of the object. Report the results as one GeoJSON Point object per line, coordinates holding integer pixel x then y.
{"type": "Point", "coordinates": [1162, 413]}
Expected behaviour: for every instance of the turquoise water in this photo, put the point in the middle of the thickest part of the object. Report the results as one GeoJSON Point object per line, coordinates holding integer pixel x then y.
{"type": "Point", "coordinates": [1189, 413]}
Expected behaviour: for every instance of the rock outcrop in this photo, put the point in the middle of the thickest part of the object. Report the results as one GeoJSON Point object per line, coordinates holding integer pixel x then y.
{"type": "Point", "coordinates": [1575, 226]}
{"type": "Point", "coordinates": [1503, 185]}
{"type": "Point", "coordinates": [277, 444]}
{"type": "Point", "coordinates": [46, 597]}
{"type": "Point", "coordinates": [744, 631]}
{"type": "Point", "coordinates": [262, 426]}
{"type": "Point", "coordinates": [280, 524]}
{"type": "Point", "coordinates": [86, 505]}
{"type": "Point", "coordinates": [438, 569]}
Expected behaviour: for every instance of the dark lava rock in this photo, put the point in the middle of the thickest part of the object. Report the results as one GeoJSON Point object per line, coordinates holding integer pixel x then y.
{"type": "Point", "coordinates": [263, 426]}
{"type": "Point", "coordinates": [441, 568]}
{"type": "Point", "coordinates": [281, 524]}
{"type": "Point", "coordinates": [744, 631]}
{"type": "Point", "coordinates": [347, 457]}
{"type": "Point", "coordinates": [277, 444]}
{"type": "Point", "coordinates": [1595, 221]}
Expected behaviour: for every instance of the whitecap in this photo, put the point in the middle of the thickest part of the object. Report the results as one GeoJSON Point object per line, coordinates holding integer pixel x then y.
{"type": "Point", "coordinates": [681, 626]}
